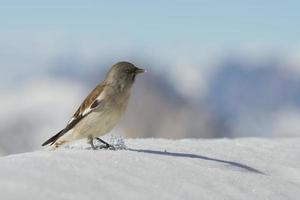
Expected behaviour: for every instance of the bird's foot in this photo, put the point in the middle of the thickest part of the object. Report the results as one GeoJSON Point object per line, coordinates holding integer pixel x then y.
{"type": "Point", "coordinates": [106, 145]}
{"type": "Point", "coordinates": [110, 147]}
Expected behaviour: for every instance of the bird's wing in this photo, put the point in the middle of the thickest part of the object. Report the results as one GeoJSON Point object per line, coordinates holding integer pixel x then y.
{"type": "Point", "coordinates": [91, 102]}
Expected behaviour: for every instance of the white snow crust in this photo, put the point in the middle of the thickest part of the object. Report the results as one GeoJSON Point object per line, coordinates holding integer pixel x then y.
{"type": "Point", "coordinates": [249, 168]}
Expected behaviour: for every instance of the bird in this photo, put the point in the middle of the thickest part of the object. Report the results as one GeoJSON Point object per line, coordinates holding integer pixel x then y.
{"type": "Point", "coordinates": [102, 108]}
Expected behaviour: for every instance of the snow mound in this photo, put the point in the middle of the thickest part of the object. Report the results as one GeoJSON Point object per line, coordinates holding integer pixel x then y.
{"type": "Point", "coordinates": [157, 169]}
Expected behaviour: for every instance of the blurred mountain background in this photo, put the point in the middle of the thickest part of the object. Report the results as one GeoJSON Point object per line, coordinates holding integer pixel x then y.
{"type": "Point", "coordinates": [214, 69]}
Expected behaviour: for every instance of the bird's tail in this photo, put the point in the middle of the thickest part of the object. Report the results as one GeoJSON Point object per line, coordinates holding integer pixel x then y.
{"type": "Point", "coordinates": [53, 138]}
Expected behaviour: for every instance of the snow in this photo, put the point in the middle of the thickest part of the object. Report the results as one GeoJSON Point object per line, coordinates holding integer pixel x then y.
{"type": "Point", "coordinates": [248, 168]}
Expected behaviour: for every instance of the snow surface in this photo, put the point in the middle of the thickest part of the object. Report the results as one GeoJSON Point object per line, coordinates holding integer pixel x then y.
{"type": "Point", "coordinates": [157, 169]}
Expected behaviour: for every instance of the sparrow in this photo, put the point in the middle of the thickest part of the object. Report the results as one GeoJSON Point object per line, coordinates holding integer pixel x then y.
{"type": "Point", "coordinates": [102, 108]}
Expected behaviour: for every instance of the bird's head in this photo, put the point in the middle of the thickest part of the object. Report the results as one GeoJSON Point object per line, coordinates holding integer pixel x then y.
{"type": "Point", "coordinates": [123, 73]}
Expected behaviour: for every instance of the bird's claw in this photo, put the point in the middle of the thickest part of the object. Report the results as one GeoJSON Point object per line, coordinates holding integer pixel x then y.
{"type": "Point", "coordinates": [110, 147]}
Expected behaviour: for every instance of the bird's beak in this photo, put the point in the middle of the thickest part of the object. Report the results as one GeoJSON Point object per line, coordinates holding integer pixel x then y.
{"type": "Point", "coordinates": [139, 71]}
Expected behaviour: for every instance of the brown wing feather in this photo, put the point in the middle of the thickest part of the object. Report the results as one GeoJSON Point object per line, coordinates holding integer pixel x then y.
{"type": "Point", "coordinates": [89, 99]}
{"type": "Point", "coordinates": [78, 115]}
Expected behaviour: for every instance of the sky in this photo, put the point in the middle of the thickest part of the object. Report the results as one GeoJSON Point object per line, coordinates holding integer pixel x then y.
{"type": "Point", "coordinates": [158, 24]}
{"type": "Point", "coordinates": [190, 33]}
{"type": "Point", "coordinates": [186, 38]}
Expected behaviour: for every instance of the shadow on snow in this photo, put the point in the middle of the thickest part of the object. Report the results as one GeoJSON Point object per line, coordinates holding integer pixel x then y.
{"type": "Point", "coordinates": [188, 155]}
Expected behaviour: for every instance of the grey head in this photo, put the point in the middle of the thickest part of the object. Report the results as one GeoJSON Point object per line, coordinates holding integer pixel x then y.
{"type": "Point", "coordinates": [123, 73]}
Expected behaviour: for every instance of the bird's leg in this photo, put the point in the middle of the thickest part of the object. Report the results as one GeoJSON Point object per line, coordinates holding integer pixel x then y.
{"type": "Point", "coordinates": [90, 141]}
{"type": "Point", "coordinates": [107, 146]}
